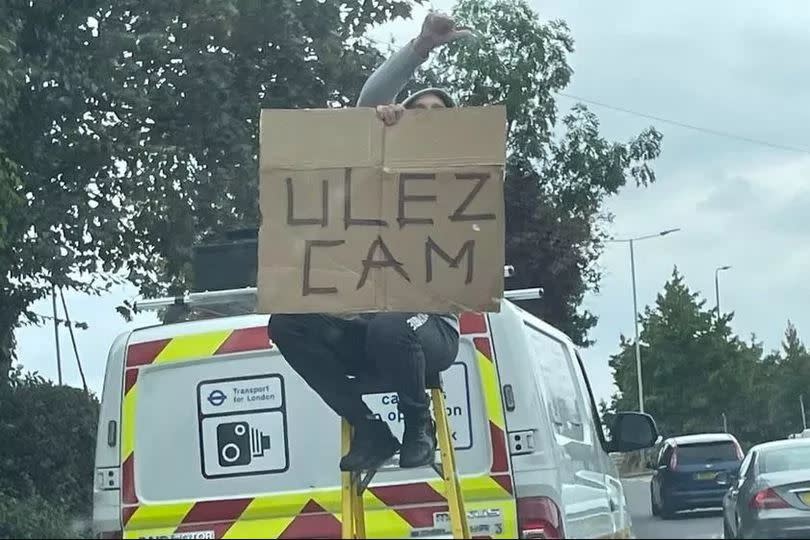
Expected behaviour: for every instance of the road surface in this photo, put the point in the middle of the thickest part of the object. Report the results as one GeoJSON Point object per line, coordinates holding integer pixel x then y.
{"type": "Point", "coordinates": [694, 524]}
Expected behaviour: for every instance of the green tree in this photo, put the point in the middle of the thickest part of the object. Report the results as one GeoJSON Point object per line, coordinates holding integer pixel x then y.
{"type": "Point", "coordinates": [33, 517]}
{"type": "Point", "coordinates": [128, 128]}
{"type": "Point", "coordinates": [694, 368]}
{"type": "Point", "coordinates": [10, 201]}
{"type": "Point", "coordinates": [789, 378]}
{"type": "Point", "coordinates": [560, 169]}
{"type": "Point", "coordinates": [46, 458]}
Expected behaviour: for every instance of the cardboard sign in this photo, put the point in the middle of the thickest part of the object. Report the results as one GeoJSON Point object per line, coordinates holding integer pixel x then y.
{"type": "Point", "coordinates": [359, 217]}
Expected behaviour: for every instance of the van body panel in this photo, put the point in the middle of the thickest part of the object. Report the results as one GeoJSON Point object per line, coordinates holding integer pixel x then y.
{"type": "Point", "coordinates": [219, 439]}
{"type": "Point", "coordinates": [568, 463]}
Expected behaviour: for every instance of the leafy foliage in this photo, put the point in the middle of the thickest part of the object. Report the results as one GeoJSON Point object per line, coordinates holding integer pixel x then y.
{"type": "Point", "coordinates": [48, 435]}
{"type": "Point", "coordinates": [128, 128]}
{"type": "Point", "coordinates": [695, 369]}
{"type": "Point", "coordinates": [785, 377]}
{"type": "Point", "coordinates": [197, 75]}
{"type": "Point", "coordinates": [559, 170]}
{"type": "Point", "coordinates": [33, 517]}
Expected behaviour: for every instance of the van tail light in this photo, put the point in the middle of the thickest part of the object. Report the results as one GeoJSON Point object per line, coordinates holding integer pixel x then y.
{"type": "Point", "coordinates": [673, 460]}
{"type": "Point", "coordinates": [539, 517]}
{"type": "Point", "coordinates": [767, 499]}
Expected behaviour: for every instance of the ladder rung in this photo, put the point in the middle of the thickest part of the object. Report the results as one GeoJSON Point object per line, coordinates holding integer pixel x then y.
{"type": "Point", "coordinates": [393, 465]}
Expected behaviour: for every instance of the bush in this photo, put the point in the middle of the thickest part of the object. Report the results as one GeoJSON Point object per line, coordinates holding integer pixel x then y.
{"type": "Point", "coordinates": [32, 517]}
{"type": "Point", "coordinates": [47, 453]}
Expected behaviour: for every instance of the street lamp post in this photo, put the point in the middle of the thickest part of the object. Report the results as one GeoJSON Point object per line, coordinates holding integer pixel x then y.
{"type": "Point", "coordinates": [717, 285]}
{"type": "Point", "coordinates": [632, 242]}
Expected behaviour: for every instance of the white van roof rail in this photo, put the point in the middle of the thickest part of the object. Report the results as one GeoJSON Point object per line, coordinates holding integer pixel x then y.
{"type": "Point", "coordinates": [248, 294]}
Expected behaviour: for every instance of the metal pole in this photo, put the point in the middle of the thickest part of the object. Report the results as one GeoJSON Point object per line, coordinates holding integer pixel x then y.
{"type": "Point", "coordinates": [56, 336]}
{"type": "Point", "coordinates": [717, 290]}
{"type": "Point", "coordinates": [631, 241]}
{"type": "Point", "coordinates": [73, 339]}
{"type": "Point", "coordinates": [635, 324]}
{"type": "Point", "coordinates": [725, 424]}
{"type": "Point", "coordinates": [804, 418]}
{"type": "Point", "coordinates": [717, 286]}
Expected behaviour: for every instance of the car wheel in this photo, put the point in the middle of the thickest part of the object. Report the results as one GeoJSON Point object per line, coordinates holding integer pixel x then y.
{"type": "Point", "coordinates": [655, 510]}
{"type": "Point", "coordinates": [667, 509]}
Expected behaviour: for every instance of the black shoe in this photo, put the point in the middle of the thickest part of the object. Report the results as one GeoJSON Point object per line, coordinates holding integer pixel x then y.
{"type": "Point", "coordinates": [418, 441]}
{"type": "Point", "coordinates": [372, 445]}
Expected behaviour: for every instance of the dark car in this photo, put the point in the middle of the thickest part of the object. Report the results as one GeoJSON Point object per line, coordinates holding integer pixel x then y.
{"type": "Point", "coordinates": [687, 473]}
{"type": "Point", "coordinates": [770, 495]}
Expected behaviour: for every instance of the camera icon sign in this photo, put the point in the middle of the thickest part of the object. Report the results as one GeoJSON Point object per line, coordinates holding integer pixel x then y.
{"type": "Point", "coordinates": [238, 444]}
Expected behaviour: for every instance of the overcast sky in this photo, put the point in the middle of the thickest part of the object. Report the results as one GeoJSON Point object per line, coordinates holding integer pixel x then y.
{"type": "Point", "coordinates": [739, 67]}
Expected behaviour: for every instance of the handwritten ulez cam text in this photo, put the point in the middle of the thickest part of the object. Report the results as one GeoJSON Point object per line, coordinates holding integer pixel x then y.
{"type": "Point", "coordinates": [379, 254]}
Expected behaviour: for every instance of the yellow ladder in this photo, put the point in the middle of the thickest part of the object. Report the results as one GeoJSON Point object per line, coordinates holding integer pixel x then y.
{"type": "Point", "coordinates": [353, 484]}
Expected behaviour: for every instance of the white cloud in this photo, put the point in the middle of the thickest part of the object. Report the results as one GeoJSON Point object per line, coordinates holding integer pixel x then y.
{"type": "Point", "coordinates": [37, 345]}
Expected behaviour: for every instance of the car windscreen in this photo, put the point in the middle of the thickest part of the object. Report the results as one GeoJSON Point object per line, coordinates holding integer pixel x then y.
{"type": "Point", "coordinates": [785, 459]}
{"type": "Point", "coordinates": [695, 454]}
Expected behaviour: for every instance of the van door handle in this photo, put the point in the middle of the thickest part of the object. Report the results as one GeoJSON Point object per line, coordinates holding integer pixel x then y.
{"type": "Point", "coordinates": [508, 397]}
{"type": "Point", "coordinates": [112, 433]}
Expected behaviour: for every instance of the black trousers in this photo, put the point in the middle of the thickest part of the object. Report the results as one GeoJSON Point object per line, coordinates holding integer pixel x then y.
{"type": "Point", "coordinates": [399, 348]}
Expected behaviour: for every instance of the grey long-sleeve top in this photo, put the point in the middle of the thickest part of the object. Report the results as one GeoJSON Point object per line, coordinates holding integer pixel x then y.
{"type": "Point", "coordinates": [391, 77]}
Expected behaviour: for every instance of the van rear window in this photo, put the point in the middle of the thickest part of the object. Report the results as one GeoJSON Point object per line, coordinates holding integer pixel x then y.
{"type": "Point", "coordinates": [695, 454]}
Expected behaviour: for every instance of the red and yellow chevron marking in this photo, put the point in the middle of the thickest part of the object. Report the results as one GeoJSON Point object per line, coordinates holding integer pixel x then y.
{"type": "Point", "coordinates": [189, 347]}
{"type": "Point", "coordinates": [391, 511]}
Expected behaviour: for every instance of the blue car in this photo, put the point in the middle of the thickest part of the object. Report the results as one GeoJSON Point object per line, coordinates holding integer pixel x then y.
{"type": "Point", "coordinates": [687, 474]}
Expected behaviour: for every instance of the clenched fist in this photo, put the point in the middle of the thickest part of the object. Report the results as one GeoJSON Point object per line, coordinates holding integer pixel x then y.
{"type": "Point", "coordinates": [438, 29]}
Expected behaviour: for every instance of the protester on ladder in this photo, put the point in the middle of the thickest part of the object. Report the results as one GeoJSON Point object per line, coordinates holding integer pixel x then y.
{"type": "Point", "coordinates": [401, 348]}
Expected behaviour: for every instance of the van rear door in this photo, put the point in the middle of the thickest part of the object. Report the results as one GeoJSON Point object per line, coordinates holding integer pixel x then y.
{"type": "Point", "coordinates": [221, 439]}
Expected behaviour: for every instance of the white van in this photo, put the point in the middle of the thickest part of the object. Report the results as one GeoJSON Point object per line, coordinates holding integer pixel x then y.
{"type": "Point", "coordinates": [205, 432]}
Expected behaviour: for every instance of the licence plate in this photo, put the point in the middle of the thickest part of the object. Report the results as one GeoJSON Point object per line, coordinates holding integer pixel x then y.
{"type": "Point", "coordinates": [706, 476]}
{"type": "Point", "coordinates": [805, 497]}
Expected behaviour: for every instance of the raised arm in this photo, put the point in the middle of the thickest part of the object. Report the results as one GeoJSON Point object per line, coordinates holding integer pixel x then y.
{"type": "Point", "coordinates": [392, 76]}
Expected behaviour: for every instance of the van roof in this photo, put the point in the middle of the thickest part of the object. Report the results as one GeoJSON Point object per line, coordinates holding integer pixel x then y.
{"type": "Point", "coordinates": [701, 438]}
{"type": "Point", "coordinates": [541, 324]}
